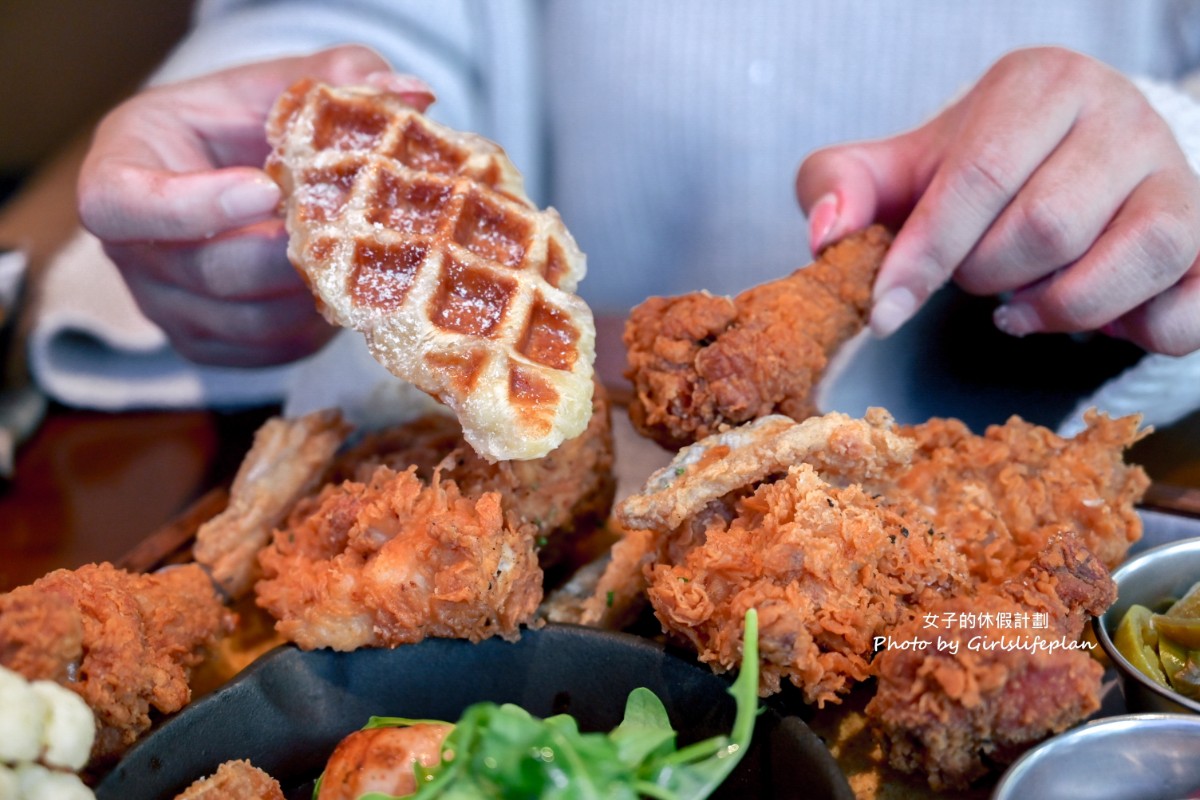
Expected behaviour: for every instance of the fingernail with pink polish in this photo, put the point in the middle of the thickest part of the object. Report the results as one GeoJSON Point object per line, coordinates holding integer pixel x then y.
{"type": "Point", "coordinates": [1017, 319]}
{"type": "Point", "coordinates": [1115, 329]}
{"type": "Point", "coordinates": [822, 218]}
{"type": "Point", "coordinates": [250, 199]}
{"type": "Point", "coordinates": [895, 307]}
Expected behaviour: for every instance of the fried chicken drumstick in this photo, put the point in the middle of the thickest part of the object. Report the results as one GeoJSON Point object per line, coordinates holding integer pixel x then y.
{"type": "Point", "coordinates": [701, 363]}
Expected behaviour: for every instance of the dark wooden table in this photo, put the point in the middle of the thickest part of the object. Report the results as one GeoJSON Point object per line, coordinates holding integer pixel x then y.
{"type": "Point", "coordinates": [90, 486]}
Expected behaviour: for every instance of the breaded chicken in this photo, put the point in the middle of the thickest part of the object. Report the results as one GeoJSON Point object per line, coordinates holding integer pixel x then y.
{"type": "Point", "coordinates": [558, 494]}
{"type": "Point", "coordinates": [701, 363]}
{"type": "Point", "coordinates": [1001, 669]}
{"type": "Point", "coordinates": [125, 642]}
{"type": "Point", "coordinates": [1003, 494]}
{"type": "Point", "coordinates": [287, 461]}
{"type": "Point", "coordinates": [828, 570]}
{"type": "Point", "coordinates": [394, 560]}
{"type": "Point", "coordinates": [836, 445]}
{"type": "Point", "coordinates": [838, 558]}
{"type": "Point", "coordinates": [293, 459]}
{"type": "Point", "coordinates": [234, 780]}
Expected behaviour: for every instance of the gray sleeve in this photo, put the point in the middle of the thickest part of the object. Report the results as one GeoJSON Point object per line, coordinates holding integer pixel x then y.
{"type": "Point", "coordinates": [448, 43]}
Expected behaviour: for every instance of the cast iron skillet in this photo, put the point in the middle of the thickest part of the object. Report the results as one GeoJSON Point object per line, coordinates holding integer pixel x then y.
{"type": "Point", "coordinates": [287, 711]}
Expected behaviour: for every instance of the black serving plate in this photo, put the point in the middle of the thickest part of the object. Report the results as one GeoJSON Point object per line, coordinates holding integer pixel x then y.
{"type": "Point", "coordinates": [287, 711]}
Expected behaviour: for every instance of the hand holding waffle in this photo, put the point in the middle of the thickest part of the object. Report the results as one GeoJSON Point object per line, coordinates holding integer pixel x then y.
{"type": "Point", "coordinates": [422, 239]}
{"type": "Point", "coordinates": [173, 187]}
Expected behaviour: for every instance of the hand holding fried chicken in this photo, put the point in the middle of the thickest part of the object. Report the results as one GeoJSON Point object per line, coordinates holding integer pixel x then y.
{"type": "Point", "coordinates": [1053, 178]}
{"type": "Point", "coordinates": [701, 363]}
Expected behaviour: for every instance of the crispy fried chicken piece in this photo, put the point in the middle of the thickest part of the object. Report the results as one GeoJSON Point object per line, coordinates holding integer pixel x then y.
{"type": "Point", "coordinates": [1017, 521]}
{"type": "Point", "coordinates": [286, 462]}
{"type": "Point", "coordinates": [559, 494]}
{"type": "Point", "coordinates": [234, 780]}
{"type": "Point", "coordinates": [292, 459]}
{"type": "Point", "coordinates": [1002, 495]}
{"type": "Point", "coordinates": [41, 634]}
{"type": "Point", "coordinates": [701, 363]}
{"type": "Point", "coordinates": [394, 560]}
{"type": "Point", "coordinates": [125, 642]}
{"type": "Point", "coordinates": [827, 568]}
{"type": "Point", "coordinates": [981, 693]}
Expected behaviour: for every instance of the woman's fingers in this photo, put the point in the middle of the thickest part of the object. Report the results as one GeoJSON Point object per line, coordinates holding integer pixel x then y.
{"type": "Point", "coordinates": [1169, 323]}
{"type": "Point", "coordinates": [254, 333]}
{"type": "Point", "coordinates": [1149, 246]}
{"type": "Point", "coordinates": [1063, 208]}
{"type": "Point", "coordinates": [134, 204]}
{"type": "Point", "coordinates": [1002, 132]}
{"type": "Point", "coordinates": [1052, 178]}
{"type": "Point", "coordinates": [181, 162]}
{"type": "Point", "coordinates": [235, 292]}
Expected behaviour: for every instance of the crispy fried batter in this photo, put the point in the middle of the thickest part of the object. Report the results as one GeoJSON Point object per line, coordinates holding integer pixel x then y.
{"type": "Point", "coordinates": [235, 780]}
{"type": "Point", "coordinates": [125, 642]}
{"type": "Point", "coordinates": [292, 459]}
{"type": "Point", "coordinates": [981, 693]}
{"type": "Point", "coordinates": [1002, 495]}
{"type": "Point", "coordinates": [827, 568]}
{"type": "Point", "coordinates": [394, 560]}
{"type": "Point", "coordinates": [557, 493]}
{"type": "Point", "coordinates": [41, 634]}
{"type": "Point", "coordinates": [1018, 520]}
{"type": "Point", "coordinates": [286, 462]}
{"type": "Point", "coordinates": [700, 363]}
{"type": "Point", "coordinates": [834, 443]}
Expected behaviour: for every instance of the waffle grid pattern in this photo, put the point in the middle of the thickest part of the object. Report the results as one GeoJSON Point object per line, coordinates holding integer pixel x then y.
{"type": "Point", "coordinates": [423, 239]}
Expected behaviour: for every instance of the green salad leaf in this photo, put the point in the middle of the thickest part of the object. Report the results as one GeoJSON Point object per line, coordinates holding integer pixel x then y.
{"type": "Point", "coordinates": [503, 751]}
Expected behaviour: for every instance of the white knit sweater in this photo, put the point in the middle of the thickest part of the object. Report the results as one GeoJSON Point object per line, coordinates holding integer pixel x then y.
{"type": "Point", "coordinates": [667, 132]}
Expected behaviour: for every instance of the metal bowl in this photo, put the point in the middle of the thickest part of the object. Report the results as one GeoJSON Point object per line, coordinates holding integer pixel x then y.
{"type": "Point", "coordinates": [1130, 757]}
{"type": "Point", "coordinates": [1147, 579]}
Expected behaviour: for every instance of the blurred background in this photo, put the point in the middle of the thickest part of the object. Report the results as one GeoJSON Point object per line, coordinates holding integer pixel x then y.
{"type": "Point", "coordinates": [62, 64]}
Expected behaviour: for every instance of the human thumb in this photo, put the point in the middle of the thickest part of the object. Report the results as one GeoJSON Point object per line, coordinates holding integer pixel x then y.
{"type": "Point", "coordinates": [847, 187]}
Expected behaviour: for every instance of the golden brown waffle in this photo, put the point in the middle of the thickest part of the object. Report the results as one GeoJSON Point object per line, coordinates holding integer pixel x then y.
{"type": "Point", "coordinates": [423, 239]}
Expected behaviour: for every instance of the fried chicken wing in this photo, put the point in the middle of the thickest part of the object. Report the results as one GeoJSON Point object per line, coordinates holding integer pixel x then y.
{"type": "Point", "coordinates": [125, 642]}
{"type": "Point", "coordinates": [878, 530]}
{"type": "Point", "coordinates": [980, 693]}
{"type": "Point", "coordinates": [701, 363]}
{"type": "Point", "coordinates": [394, 560]}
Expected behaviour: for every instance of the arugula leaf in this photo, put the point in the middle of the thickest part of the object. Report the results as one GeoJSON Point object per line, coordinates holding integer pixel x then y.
{"type": "Point", "coordinates": [695, 771]}
{"type": "Point", "coordinates": [646, 731]}
{"type": "Point", "coordinates": [503, 751]}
